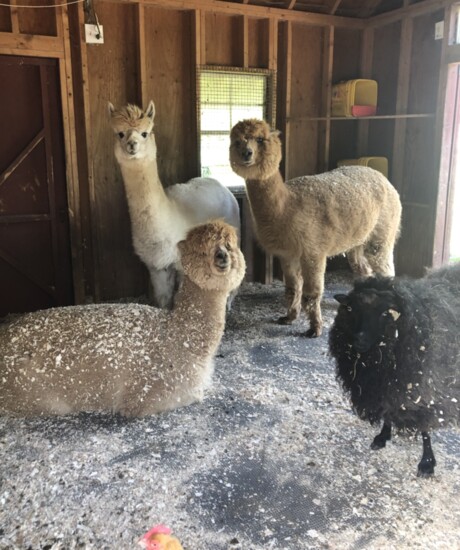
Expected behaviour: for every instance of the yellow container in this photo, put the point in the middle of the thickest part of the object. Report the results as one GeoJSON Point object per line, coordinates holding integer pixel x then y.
{"type": "Point", "coordinates": [377, 163]}
{"type": "Point", "coordinates": [354, 98]}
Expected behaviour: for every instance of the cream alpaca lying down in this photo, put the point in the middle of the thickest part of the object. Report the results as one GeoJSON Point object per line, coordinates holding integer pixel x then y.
{"type": "Point", "coordinates": [126, 358]}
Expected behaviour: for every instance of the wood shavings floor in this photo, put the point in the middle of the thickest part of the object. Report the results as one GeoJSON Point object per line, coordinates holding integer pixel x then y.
{"type": "Point", "coordinates": [272, 459]}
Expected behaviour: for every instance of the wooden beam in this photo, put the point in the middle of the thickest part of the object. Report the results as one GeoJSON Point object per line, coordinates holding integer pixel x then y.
{"type": "Point", "coordinates": [273, 44]}
{"type": "Point", "coordinates": [51, 46]}
{"type": "Point", "coordinates": [334, 7]}
{"type": "Point", "coordinates": [414, 10]}
{"type": "Point", "coordinates": [70, 147]}
{"type": "Point", "coordinates": [402, 96]}
{"type": "Point", "coordinates": [198, 38]}
{"type": "Point", "coordinates": [231, 8]}
{"type": "Point", "coordinates": [324, 135]}
{"type": "Point", "coordinates": [288, 91]}
{"type": "Point", "coordinates": [448, 94]}
{"type": "Point", "coordinates": [367, 53]}
{"type": "Point", "coordinates": [199, 35]}
{"type": "Point", "coordinates": [24, 154]}
{"type": "Point", "coordinates": [245, 42]}
{"type": "Point", "coordinates": [141, 55]}
{"type": "Point", "coordinates": [14, 17]}
{"type": "Point", "coordinates": [291, 4]}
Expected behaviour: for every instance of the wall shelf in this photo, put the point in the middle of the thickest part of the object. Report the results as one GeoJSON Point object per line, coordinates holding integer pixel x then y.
{"type": "Point", "coordinates": [374, 117]}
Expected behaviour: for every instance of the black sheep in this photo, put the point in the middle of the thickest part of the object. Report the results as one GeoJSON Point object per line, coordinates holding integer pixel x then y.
{"type": "Point", "coordinates": [397, 349]}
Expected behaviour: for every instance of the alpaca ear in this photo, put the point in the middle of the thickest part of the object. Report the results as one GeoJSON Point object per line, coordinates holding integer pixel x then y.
{"type": "Point", "coordinates": [150, 111]}
{"type": "Point", "coordinates": [341, 298]}
{"type": "Point", "coordinates": [275, 133]}
{"type": "Point", "coordinates": [110, 108]}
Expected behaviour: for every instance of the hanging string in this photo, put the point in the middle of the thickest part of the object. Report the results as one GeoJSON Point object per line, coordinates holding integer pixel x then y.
{"type": "Point", "coordinates": [38, 7]}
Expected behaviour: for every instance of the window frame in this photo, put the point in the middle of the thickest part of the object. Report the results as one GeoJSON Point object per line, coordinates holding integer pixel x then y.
{"type": "Point", "coordinates": [269, 107]}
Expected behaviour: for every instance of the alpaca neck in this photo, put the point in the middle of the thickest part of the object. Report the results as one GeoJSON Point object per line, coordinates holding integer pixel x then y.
{"type": "Point", "coordinates": [144, 190]}
{"type": "Point", "coordinates": [267, 197]}
{"type": "Point", "coordinates": [201, 315]}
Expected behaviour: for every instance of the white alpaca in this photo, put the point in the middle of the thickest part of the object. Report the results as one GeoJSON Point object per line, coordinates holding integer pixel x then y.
{"type": "Point", "coordinates": [128, 358]}
{"type": "Point", "coordinates": [160, 217]}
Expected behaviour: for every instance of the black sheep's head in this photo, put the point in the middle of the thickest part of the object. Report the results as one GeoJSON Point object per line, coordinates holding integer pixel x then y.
{"type": "Point", "coordinates": [369, 317]}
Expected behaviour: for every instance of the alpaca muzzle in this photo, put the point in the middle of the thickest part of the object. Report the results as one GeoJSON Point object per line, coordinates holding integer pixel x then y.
{"type": "Point", "coordinates": [132, 147]}
{"type": "Point", "coordinates": [247, 154]}
{"type": "Point", "coordinates": [222, 258]}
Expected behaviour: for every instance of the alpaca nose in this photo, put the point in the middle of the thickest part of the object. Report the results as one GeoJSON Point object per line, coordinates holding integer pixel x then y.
{"type": "Point", "coordinates": [247, 154]}
{"type": "Point", "coordinates": [222, 258]}
{"type": "Point", "coordinates": [132, 146]}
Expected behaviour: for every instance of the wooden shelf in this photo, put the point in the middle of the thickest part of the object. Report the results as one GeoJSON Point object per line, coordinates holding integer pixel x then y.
{"type": "Point", "coordinates": [375, 117]}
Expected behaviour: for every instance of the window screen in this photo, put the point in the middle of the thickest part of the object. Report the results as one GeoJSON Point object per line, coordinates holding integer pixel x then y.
{"type": "Point", "coordinates": [226, 96]}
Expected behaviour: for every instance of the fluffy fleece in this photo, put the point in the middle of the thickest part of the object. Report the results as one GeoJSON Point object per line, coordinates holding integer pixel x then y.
{"type": "Point", "coordinates": [305, 220]}
{"type": "Point", "coordinates": [160, 217]}
{"type": "Point", "coordinates": [126, 358]}
{"type": "Point", "coordinates": [396, 344]}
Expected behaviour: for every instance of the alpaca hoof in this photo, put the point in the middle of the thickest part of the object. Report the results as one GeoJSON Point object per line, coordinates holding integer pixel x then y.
{"type": "Point", "coordinates": [313, 333]}
{"type": "Point", "coordinates": [284, 320]}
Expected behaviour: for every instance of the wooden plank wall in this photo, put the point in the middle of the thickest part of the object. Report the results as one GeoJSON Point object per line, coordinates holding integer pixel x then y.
{"type": "Point", "coordinates": [151, 50]}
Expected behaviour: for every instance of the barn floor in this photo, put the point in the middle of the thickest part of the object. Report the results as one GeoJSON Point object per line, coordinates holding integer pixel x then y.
{"type": "Point", "coordinates": [272, 459]}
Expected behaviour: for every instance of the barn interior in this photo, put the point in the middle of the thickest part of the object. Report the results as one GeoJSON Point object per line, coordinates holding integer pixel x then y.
{"type": "Point", "coordinates": [65, 238]}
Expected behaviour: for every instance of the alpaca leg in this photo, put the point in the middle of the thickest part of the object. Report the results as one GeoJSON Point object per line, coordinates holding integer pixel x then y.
{"type": "Point", "coordinates": [358, 262]}
{"type": "Point", "coordinates": [312, 292]}
{"type": "Point", "coordinates": [379, 251]}
{"type": "Point", "coordinates": [381, 439]}
{"type": "Point", "coordinates": [428, 462]}
{"type": "Point", "coordinates": [164, 286]}
{"type": "Point", "coordinates": [293, 291]}
{"type": "Point", "coordinates": [381, 260]}
{"type": "Point", "coordinates": [231, 297]}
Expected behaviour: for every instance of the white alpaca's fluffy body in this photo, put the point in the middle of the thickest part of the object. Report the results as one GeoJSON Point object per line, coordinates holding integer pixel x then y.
{"type": "Point", "coordinates": [161, 217]}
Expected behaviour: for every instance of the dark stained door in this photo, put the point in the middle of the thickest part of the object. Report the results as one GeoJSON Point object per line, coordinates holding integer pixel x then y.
{"type": "Point", "coordinates": [35, 260]}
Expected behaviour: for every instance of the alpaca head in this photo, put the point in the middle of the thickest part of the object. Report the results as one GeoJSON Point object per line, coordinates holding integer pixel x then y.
{"type": "Point", "coordinates": [133, 129]}
{"type": "Point", "coordinates": [255, 150]}
{"type": "Point", "coordinates": [211, 258]}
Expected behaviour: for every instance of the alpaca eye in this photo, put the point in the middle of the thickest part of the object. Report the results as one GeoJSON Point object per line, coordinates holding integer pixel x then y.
{"type": "Point", "coordinates": [260, 140]}
{"type": "Point", "coordinates": [349, 308]}
{"type": "Point", "coordinates": [121, 135]}
{"type": "Point", "coordinates": [144, 134]}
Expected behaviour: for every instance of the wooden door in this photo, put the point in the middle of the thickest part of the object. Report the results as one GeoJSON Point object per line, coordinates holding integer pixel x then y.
{"type": "Point", "coordinates": [35, 261]}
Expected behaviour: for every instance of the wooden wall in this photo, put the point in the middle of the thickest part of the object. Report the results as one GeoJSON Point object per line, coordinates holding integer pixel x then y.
{"type": "Point", "coordinates": [151, 50]}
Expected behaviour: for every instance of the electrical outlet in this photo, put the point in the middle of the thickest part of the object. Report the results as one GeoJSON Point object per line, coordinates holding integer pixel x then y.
{"type": "Point", "coordinates": [94, 34]}
{"type": "Point", "coordinates": [439, 30]}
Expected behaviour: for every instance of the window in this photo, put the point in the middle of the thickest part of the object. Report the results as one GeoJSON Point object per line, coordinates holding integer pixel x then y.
{"type": "Point", "coordinates": [226, 96]}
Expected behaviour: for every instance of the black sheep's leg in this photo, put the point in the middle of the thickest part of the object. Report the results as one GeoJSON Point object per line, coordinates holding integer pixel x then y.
{"type": "Point", "coordinates": [381, 439]}
{"type": "Point", "coordinates": [428, 462]}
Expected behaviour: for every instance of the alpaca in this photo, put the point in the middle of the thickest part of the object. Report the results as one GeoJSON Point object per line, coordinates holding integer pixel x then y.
{"type": "Point", "coordinates": [353, 210]}
{"type": "Point", "coordinates": [125, 358]}
{"type": "Point", "coordinates": [396, 346]}
{"type": "Point", "coordinates": [161, 217]}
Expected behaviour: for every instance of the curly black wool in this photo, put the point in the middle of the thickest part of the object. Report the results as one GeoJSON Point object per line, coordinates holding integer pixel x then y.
{"type": "Point", "coordinates": [396, 345]}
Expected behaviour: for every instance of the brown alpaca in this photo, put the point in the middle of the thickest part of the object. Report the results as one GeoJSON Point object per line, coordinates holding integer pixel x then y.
{"type": "Point", "coordinates": [353, 210]}
{"type": "Point", "coordinates": [128, 358]}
